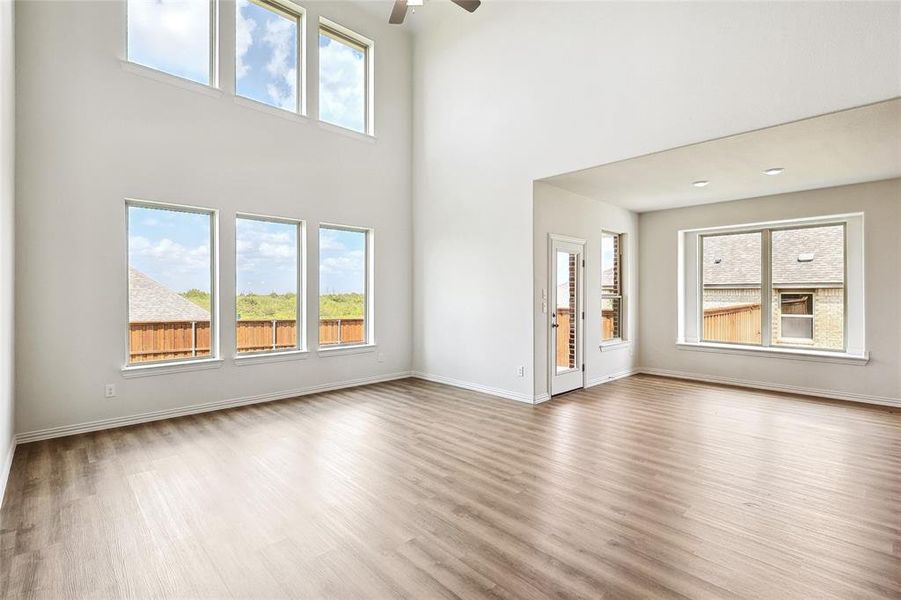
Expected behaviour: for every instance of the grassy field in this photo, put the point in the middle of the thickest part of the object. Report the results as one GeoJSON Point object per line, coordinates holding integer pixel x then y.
{"type": "Point", "coordinates": [282, 306]}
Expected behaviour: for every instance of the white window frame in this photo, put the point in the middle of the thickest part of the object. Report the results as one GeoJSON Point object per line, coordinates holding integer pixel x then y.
{"type": "Point", "coordinates": [368, 300]}
{"type": "Point", "coordinates": [291, 11]}
{"type": "Point", "coordinates": [690, 294]}
{"type": "Point", "coordinates": [300, 347]}
{"type": "Point", "coordinates": [621, 238]}
{"type": "Point", "coordinates": [214, 52]}
{"type": "Point", "coordinates": [352, 38]}
{"type": "Point", "coordinates": [175, 364]}
{"type": "Point", "coordinates": [811, 317]}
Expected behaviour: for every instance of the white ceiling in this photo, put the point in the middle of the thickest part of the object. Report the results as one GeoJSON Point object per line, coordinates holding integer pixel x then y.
{"type": "Point", "coordinates": [850, 146]}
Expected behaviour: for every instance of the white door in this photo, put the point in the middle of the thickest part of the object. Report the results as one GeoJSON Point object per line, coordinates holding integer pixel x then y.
{"type": "Point", "coordinates": [566, 313]}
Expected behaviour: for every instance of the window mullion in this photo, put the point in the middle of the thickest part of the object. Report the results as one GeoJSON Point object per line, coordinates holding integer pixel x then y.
{"type": "Point", "coordinates": [766, 300]}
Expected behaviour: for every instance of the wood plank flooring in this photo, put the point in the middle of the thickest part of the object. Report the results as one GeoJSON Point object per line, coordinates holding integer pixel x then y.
{"type": "Point", "coordinates": [640, 488]}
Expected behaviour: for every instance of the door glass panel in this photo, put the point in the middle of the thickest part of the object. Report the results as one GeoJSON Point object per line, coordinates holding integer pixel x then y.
{"type": "Point", "coordinates": [566, 311]}
{"type": "Point", "coordinates": [732, 280]}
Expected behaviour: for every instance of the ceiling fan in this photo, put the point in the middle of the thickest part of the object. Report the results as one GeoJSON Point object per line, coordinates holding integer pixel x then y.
{"type": "Point", "coordinates": [399, 12]}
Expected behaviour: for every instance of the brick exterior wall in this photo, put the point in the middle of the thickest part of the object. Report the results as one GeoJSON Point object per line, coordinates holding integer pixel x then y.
{"type": "Point", "coordinates": [828, 311]}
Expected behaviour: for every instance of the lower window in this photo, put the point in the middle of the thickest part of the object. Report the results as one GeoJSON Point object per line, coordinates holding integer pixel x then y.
{"type": "Point", "coordinates": [171, 283]}
{"type": "Point", "coordinates": [344, 286]}
{"type": "Point", "coordinates": [268, 284]}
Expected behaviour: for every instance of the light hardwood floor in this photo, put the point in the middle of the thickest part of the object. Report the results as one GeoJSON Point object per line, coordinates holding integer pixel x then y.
{"type": "Point", "coordinates": [640, 488]}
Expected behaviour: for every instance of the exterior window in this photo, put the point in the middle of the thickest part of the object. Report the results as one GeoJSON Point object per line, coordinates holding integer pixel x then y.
{"type": "Point", "coordinates": [171, 283]}
{"type": "Point", "coordinates": [173, 36]}
{"type": "Point", "coordinates": [344, 288]}
{"type": "Point", "coordinates": [812, 260]}
{"type": "Point", "coordinates": [344, 72]}
{"type": "Point", "coordinates": [805, 273]}
{"type": "Point", "coordinates": [611, 287]}
{"type": "Point", "coordinates": [267, 269]}
{"type": "Point", "coordinates": [267, 53]}
{"type": "Point", "coordinates": [731, 288]}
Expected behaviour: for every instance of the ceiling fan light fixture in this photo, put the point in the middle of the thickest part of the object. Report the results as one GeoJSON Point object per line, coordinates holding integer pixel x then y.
{"type": "Point", "coordinates": [773, 171]}
{"type": "Point", "coordinates": [415, 2]}
{"type": "Point", "coordinates": [700, 183]}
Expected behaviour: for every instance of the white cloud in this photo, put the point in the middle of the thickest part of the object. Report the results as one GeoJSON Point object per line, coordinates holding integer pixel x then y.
{"type": "Point", "coordinates": [168, 255]}
{"type": "Point", "coordinates": [341, 84]}
{"type": "Point", "coordinates": [244, 29]}
{"type": "Point", "coordinates": [171, 35]}
{"type": "Point", "coordinates": [280, 36]}
{"type": "Point", "coordinates": [270, 250]}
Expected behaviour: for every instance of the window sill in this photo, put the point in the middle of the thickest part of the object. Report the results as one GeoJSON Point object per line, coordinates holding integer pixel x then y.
{"type": "Point", "coordinates": [347, 350]}
{"type": "Point", "coordinates": [615, 345]}
{"type": "Point", "coordinates": [167, 368]}
{"type": "Point", "coordinates": [175, 80]}
{"type": "Point", "coordinates": [789, 353]}
{"type": "Point", "coordinates": [271, 110]}
{"type": "Point", "coordinates": [242, 360]}
{"type": "Point", "coordinates": [351, 133]}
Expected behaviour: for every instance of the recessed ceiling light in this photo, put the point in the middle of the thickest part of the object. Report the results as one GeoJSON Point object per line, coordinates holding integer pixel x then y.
{"type": "Point", "coordinates": [773, 171]}
{"type": "Point", "coordinates": [700, 183]}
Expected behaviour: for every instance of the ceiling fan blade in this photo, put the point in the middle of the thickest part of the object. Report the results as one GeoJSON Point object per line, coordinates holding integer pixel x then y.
{"type": "Point", "coordinates": [469, 5]}
{"type": "Point", "coordinates": [398, 13]}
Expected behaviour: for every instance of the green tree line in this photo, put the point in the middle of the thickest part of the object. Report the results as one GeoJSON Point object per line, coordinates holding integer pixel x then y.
{"type": "Point", "coordinates": [283, 306]}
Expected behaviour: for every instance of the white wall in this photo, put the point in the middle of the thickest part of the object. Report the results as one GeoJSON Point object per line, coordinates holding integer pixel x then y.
{"type": "Point", "coordinates": [562, 212]}
{"type": "Point", "coordinates": [521, 90]}
{"type": "Point", "coordinates": [7, 227]}
{"type": "Point", "coordinates": [91, 133]}
{"type": "Point", "coordinates": [880, 379]}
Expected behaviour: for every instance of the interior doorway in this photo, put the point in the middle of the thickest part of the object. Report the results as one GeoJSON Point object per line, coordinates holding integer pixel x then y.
{"type": "Point", "coordinates": [567, 266]}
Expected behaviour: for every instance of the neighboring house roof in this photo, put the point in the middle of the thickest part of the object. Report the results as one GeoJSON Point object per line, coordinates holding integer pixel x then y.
{"type": "Point", "coordinates": [800, 256]}
{"type": "Point", "coordinates": [150, 300]}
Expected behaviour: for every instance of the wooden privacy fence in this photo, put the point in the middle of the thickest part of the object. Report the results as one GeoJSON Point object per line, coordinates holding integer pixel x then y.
{"type": "Point", "coordinates": [564, 348]}
{"type": "Point", "coordinates": [149, 341]}
{"type": "Point", "coordinates": [739, 323]}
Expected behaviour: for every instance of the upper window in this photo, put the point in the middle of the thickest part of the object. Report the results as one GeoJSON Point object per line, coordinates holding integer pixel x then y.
{"type": "Point", "coordinates": [268, 304]}
{"type": "Point", "coordinates": [173, 36]}
{"type": "Point", "coordinates": [171, 283]}
{"type": "Point", "coordinates": [344, 286]}
{"type": "Point", "coordinates": [611, 287]}
{"type": "Point", "coordinates": [791, 295]}
{"type": "Point", "coordinates": [344, 66]}
{"type": "Point", "coordinates": [267, 53]}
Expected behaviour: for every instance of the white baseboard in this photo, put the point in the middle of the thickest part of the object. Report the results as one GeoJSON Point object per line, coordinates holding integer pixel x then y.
{"type": "Point", "coordinates": [539, 398]}
{"type": "Point", "coordinates": [157, 415]}
{"type": "Point", "coordinates": [607, 378]}
{"type": "Point", "coordinates": [5, 468]}
{"type": "Point", "coordinates": [775, 387]}
{"type": "Point", "coordinates": [476, 387]}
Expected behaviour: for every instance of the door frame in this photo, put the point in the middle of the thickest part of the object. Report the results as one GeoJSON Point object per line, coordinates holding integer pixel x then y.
{"type": "Point", "coordinates": [552, 308]}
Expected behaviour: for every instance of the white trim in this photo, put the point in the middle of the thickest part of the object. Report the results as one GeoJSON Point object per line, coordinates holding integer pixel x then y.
{"type": "Point", "coordinates": [253, 358]}
{"type": "Point", "coordinates": [775, 387]}
{"type": "Point", "coordinates": [344, 350]}
{"type": "Point", "coordinates": [173, 80]}
{"type": "Point", "coordinates": [565, 238]}
{"type": "Point", "coordinates": [167, 368]}
{"type": "Point", "coordinates": [778, 352]}
{"type": "Point", "coordinates": [284, 113]}
{"type": "Point", "coordinates": [543, 397]}
{"type": "Point", "coordinates": [348, 132]}
{"type": "Point", "coordinates": [64, 430]}
{"type": "Point", "coordinates": [614, 345]}
{"type": "Point", "coordinates": [611, 377]}
{"type": "Point", "coordinates": [7, 467]}
{"type": "Point", "coordinates": [475, 387]}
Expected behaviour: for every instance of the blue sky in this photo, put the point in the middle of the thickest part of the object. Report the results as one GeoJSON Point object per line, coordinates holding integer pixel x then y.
{"type": "Point", "coordinates": [171, 247]}
{"type": "Point", "coordinates": [174, 36]}
{"type": "Point", "coordinates": [342, 256]}
{"type": "Point", "coordinates": [342, 84]}
{"type": "Point", "coordinates": [266, 255]}
{"type": "Point", "coordinates": [265, 56]}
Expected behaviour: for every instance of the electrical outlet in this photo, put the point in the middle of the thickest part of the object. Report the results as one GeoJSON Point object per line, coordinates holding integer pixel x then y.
{"type": "Point", "coordinates": [381, 357]}
{"type": "Point", "coordinates": [520, 371]}
{"type": "Point", "coordinates": [110, 390]}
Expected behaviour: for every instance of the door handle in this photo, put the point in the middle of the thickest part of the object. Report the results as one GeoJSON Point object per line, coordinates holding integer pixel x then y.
{"type": "Point", "coordinates": [554, 325]}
